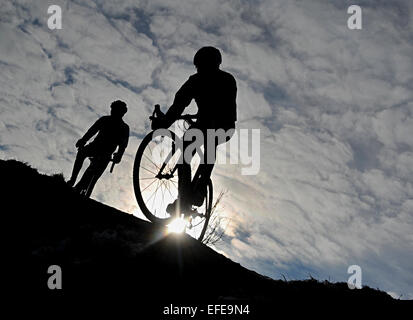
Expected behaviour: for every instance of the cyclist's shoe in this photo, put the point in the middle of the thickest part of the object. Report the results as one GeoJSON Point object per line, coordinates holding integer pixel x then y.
{"type": "Point", "coordinates": [185, 207]}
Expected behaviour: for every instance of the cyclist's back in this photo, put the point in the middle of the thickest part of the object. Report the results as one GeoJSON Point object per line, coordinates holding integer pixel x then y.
{"type": "Point", "coordinates": [215, 95]}
{"type": "Point", "coordinates": [112, 132]}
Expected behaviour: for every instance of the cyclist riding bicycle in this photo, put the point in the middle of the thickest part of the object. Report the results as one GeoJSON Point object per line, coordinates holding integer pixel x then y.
{"type": "Point", "coordinates": [214, 92]}
{"type": "Point", "coordinates": [112, 132]}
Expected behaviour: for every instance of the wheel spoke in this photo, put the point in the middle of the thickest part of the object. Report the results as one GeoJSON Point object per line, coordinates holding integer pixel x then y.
{"type": "Point", "coordinates": [174, 183]}
{"type": "Point", "coordinates": [163, 193]}
{"type": "Point", "coordinates": [153, 193]}
{"type": "Point", "coordinates": [151, 161]}
{"type": "Point", "coordinates": [149, 170]}
{"type": "Point", "coordinates": [156, 192]}
{"type": "Point", "coordinates": [167, 188]}
{"type": "Point", "coordinates": [149, 185]}
{"type": "Point", "coordinates": [147, 200]}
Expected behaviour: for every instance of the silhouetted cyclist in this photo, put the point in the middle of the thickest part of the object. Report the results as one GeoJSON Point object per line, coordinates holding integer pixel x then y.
{"type": "Point", "coordinates": [215, 94]}
{"type": "Point", "coordinates": [112, 132]}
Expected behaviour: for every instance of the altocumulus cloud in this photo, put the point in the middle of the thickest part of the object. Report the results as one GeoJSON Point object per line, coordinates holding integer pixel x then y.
{"type": "Point", "coordinates": [334, 107]}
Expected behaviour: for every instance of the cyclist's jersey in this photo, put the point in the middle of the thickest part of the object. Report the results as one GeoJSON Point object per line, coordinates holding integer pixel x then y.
{"type": "Point", "coordinates": [112, 132]}
{"type": "Point", "coordinates": [215, 95]}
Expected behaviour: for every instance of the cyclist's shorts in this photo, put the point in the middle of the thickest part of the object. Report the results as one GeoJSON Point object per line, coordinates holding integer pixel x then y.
{"type": "Point", "coordinates": [95, 151]}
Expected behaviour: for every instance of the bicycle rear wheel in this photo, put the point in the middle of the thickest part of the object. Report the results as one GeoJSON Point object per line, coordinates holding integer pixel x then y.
{"type": "Point", "coordinates": [203, 223]}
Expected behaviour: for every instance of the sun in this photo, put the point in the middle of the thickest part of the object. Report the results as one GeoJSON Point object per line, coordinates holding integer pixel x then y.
{"type": "Point", "coordinates": [177, 225]}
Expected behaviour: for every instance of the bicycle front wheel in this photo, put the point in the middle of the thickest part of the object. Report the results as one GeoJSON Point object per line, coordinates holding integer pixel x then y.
{"type": "Point", "coordinates": [201, 223]}
{"type": "Point", "coordinates": [155, 181]}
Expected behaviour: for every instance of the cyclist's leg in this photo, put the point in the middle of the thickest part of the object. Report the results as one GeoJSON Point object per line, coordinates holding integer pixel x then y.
{"type": "Point", "coordinates": [99, 166]}
{"type": "Point", "coordinates": [184, 182]}
{"type": "Point", "coordinates": [199, 185]}
{"type": "Point", "coordinates": [184, 178]}
{"type": "Point", "coordinates": [202, 177]}
{"type": "Point", "coordinates": [82, 154]}
{"type": "Point", "coordinates": [86, 178]}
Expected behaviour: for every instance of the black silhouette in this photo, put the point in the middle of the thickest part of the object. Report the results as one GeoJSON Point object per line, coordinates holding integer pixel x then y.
{"type": "Point", "coordinates": [112, 260]}
{"type": "Point", "coordinates": [112, 132]}
{"type": "Point", "coordinates": [214, 92]}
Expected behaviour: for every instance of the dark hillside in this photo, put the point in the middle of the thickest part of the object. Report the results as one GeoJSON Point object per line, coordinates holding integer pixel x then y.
{"type": "Point", "coordinates": [108, 255]}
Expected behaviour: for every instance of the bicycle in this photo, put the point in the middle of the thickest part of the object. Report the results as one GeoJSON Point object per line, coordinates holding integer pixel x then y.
{"type": "Point", "coordinates": [87, 182]}
{"type": "Point", "coordinates": [155, 179]}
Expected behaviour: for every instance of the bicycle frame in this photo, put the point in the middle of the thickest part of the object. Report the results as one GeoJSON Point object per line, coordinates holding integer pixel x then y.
{"type": "Point", "coordinates": [189, 118]}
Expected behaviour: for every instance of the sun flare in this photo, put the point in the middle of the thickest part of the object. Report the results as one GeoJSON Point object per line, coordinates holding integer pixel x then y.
{"type": "Point", "coordinates": [177, 225]}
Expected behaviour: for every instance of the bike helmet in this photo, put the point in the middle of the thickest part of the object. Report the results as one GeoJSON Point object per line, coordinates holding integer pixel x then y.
{"type": "Point", "coordinates": [119, 106]}
{"type": "Point", "coordinates": [210, 56]}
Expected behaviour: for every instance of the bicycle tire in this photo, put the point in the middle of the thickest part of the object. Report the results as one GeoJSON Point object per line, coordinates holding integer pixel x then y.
{"type": "Point", "coordinates": [136, 184]}
{"type": "Point", "coordinates": [208, 203]}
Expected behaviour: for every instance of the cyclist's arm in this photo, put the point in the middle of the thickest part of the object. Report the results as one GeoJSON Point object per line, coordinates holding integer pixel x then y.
{"type": "Point", "coordinates": [182, 99]}
{"type": "Point", "coordinates": [92, 130]}
{"type": "Point", "coordinates": [122, 146]}
{"type": "Point", "coordinates": [89, 134]}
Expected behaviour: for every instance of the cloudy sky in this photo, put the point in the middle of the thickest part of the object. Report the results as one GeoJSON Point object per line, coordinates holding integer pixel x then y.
{"type": "Point", "coordinates": [334, 106]}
